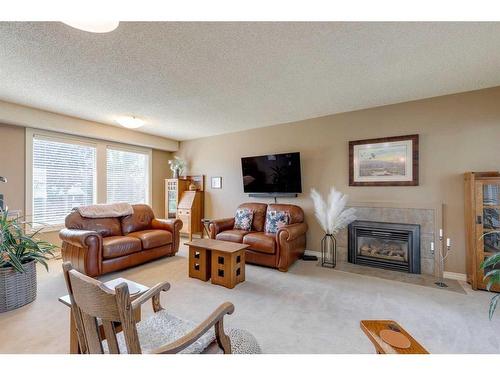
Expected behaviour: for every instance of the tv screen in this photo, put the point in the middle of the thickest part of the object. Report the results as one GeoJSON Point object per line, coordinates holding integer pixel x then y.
{"type": "Point", "coordinates": [278, 173]}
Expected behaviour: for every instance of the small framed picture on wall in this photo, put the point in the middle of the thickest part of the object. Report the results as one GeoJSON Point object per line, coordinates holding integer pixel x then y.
{"type": "Point", "coordinates": [389, 161]}
{"type": "Point", "coordinates": [216, 182]}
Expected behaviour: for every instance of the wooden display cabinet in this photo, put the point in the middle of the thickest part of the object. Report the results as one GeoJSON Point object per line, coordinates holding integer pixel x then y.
{"type": "Point", "coordinates": [482, 215]}
{"type": "Point", "coordinates": [174, 187]}
{"type": "Point", "coordinates": [184, 204]}
{"type": "Point", "coordinates": [190, 211]}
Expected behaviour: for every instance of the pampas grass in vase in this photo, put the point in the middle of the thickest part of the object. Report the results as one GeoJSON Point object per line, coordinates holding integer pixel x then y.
{"type": "Point", "coordinates": [332, 216]}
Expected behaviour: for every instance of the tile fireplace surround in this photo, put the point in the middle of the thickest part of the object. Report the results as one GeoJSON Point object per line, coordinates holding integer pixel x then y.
{"type": "Point", "coordinates": [427, 216]}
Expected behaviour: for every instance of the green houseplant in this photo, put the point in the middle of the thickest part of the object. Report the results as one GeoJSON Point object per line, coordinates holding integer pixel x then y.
{"type": "Point", "coordinates": [493, 275]}
{"type": "Point", "coordinates": [20, 250]}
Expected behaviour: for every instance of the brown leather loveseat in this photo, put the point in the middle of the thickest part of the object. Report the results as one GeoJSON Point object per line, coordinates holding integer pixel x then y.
{"type": "Point", "coordinates": [278, 250]}
{"type": "Point", "coordinates": [98, 246]}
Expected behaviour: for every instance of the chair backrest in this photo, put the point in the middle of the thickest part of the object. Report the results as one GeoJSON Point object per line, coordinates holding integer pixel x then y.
{"type": "Point", "coordinates": [97, 309]}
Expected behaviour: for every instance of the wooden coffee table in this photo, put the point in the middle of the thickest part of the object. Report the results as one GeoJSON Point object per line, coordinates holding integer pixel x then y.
{"type": "Point", "coordinates": [372, 329]}
{"type": "Point", "coordinates": [221, 261]}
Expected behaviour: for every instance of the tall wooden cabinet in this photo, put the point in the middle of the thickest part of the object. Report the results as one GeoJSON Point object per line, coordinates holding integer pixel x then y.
{"type": "Point", "coordinates": [184, 204]}
{"type": "Point", "coordinates": [482, 215]}
{"type": "Point", "coordinates": [190, 211]}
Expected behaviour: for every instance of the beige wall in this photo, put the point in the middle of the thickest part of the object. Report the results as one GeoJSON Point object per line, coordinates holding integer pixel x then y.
{"type": "Point", "coordinates": [161, 171]}
{"type": "Point", "coordinates": [12, 166]}
{"type": "Point", "coordinates": [458, 133]}
{"type": "Point", "coordinates": [20, 115]}
{"type": "Point", "coordinates": [12, 163]}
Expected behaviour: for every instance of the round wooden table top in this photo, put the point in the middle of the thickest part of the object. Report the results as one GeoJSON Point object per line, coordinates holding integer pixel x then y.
{"type": "Point", "coordinates": [394, 338]}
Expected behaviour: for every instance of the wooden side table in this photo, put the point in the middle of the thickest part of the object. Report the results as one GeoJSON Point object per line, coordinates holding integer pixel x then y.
{"type": "Point", "coordinates": [74, 347]}
{"type": "Point", "coordinates": [372, 329]}
{"type": "Point", "coordinates": [228, 267]}
{"type": "Point", "coordinates": [199, 263]}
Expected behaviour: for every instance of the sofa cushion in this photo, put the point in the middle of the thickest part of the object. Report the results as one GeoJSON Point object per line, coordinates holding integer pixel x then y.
{"type": "Point", "coordinates": [140, 220]}
{"type": "Point", "coordinates": [261, 242]}
{"type": "Point", "coordinates": [118, 246]}
{"type": "Point", "coordinates": [259, 215]}
{"type": "Point", "coordinates": [243, 219]}
{"type": "Point", "coordinates": [233, 235]}
{"type": "Point", "coordinates": [295, 212]}
{"type": "Point", "coordinates": [152, 238]}
{"type": "Point", "coordinates": [105, 227]}
{"type": "Point", "coordinates": [275, 220]}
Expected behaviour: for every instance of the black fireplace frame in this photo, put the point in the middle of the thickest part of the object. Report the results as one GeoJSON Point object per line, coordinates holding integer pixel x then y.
{"type": "Point", "coordinates": [413, 232]}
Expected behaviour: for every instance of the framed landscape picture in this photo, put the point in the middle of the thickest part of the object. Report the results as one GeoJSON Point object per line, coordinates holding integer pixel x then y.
{"type": "Point", "coordinates": [389, 161]}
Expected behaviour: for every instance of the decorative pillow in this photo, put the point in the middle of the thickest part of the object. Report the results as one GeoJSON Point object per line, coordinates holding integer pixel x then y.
{"type": "Point", "coordinates": [275, 220]}
{"type": "Point", "coordinates": [243, 219]}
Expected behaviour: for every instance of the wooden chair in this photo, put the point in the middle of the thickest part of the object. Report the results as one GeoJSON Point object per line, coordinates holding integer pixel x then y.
{"type": "Point", "coordinates": [98, 310]}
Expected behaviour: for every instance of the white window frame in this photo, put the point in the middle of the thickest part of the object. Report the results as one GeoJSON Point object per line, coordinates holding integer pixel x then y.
{"type": "Point", "coordinates": [100, 177]}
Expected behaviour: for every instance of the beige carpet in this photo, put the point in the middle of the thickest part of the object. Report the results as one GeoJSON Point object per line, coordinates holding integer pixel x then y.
{"type": "Point", "coordinates": [310, 309]}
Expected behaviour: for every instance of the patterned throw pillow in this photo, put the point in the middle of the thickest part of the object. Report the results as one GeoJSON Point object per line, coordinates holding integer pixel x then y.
{"type": "Point", "coordinates": [243, 219]}
{"type": "Point", "coordinates": [275, 220]}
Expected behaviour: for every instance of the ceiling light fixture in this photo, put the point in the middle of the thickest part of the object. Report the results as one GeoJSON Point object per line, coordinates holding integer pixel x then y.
{"type": "Point", "coordinates": [130, 122]}
{"type": "Point", "coordinates": [93, 26]}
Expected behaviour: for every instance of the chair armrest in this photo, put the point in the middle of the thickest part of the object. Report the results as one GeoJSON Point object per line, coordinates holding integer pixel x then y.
{"type": "Point", "coordinates": [215, 319]}
{"type": "Point", "coordinates": [80, 238]}
{"type": "Point", "coordinates": [171, 225]}
{"type": "Point", "coordinates": [220, 225]}
{"type": "Point", "coordinates": [154, 294]}
{"type": "Point", "coordinates": [291, 232]}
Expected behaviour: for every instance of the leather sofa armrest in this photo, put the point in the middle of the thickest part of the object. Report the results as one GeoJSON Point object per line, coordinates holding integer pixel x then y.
{"type": "Point", "coordinates": [83, 249]}
{"type": "Point", "coordinates": [171, 225]}
{"type": "Point", "coordinates": [291, 232]}
{"type": "Point", "coordinates": [220, 225]}
{"type": "Point", "coordinates": [80, 238]}
{"type": "Point", "coordinates": [291, 244]}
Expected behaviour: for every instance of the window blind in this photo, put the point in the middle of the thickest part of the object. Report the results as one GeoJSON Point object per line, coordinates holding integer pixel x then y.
{"type": "Point", "coordinates": [63, 178]}
{"type": "Point", "coordinates": [127, 176]}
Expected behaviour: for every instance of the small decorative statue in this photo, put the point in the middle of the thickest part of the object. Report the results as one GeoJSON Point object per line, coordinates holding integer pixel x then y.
{"type": "Point", "coordinates": [177, 165]}
{"type": "Point", "coordinates": [332, 217]}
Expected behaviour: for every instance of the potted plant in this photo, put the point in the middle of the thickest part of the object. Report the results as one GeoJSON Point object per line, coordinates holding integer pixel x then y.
{"type": "Point", "coordinates": [20, 250]}
{"type": "Point", "coordinates": [177, 165]}
{"type": "Point", "coordinates": [493, 276]}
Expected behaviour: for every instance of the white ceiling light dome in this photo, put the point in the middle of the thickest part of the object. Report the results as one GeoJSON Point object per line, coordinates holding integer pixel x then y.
{"type": "Point", "coordinates": [130, 122]}
{"type": "Point", "coordinates": [93, 26]}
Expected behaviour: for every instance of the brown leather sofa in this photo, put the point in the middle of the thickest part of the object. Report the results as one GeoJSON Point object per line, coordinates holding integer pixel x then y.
{"type": "Point", "coordinates": [278, 250]}
{"type": "Point", "coordinates": [98, 246]}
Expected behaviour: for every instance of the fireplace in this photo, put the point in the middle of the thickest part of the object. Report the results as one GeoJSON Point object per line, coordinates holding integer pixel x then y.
{"type": "Point", "coordinates": [385, 245]}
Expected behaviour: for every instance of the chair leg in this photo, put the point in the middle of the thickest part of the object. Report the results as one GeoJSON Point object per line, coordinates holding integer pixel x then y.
{"type": "Point", "coordinates": [223, 340]}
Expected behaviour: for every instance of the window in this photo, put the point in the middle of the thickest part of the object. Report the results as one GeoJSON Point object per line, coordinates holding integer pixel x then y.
{"type": "Point", "coordinates": [63, 177]}
{"type": "Point", "coordinates": [127, 176]}
{"type": "Point", "coordinates": [63, 172]}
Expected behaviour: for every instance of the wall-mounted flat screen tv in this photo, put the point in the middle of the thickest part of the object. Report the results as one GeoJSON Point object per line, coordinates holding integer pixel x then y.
{"type": "Point", "coordinates": [278, 173]}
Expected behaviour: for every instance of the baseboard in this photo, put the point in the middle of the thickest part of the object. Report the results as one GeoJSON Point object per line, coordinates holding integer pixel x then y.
{"type": "Point", "coordinates": [447, 275]}
{"type": "Point", "coordinates": [455, 276]}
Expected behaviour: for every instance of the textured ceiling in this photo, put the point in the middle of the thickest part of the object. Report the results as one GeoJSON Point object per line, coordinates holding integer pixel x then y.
{"type": "Point", "coordinates": [190, 80]}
